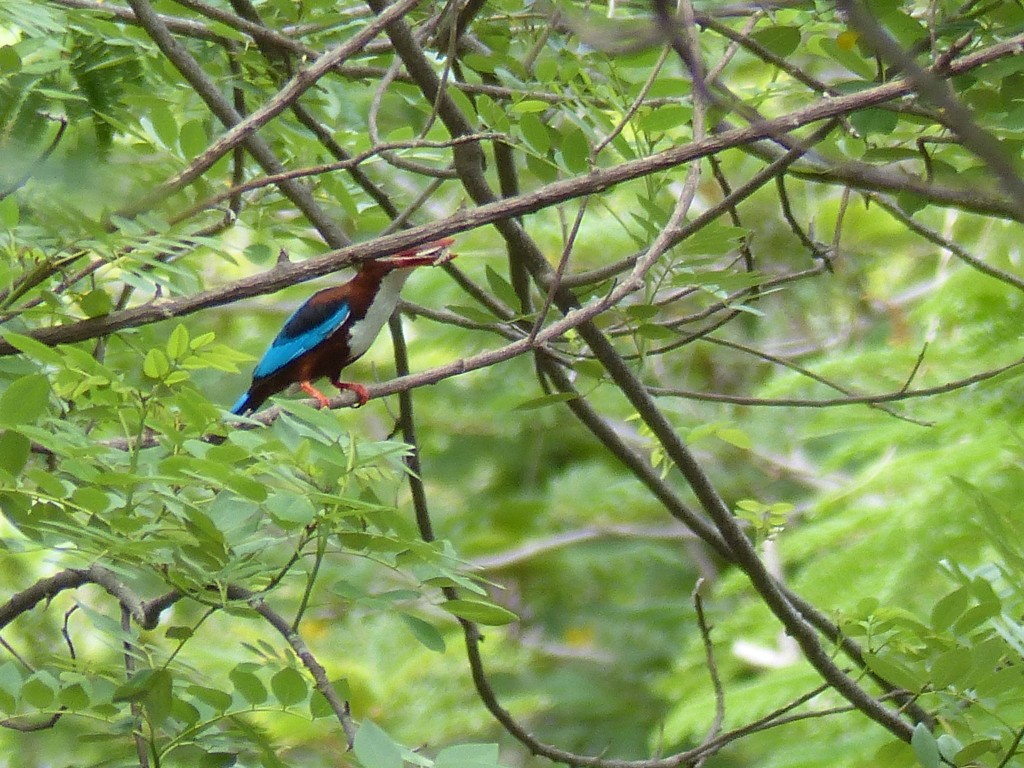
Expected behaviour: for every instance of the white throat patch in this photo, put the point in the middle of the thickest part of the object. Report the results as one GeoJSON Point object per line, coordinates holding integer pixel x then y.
{"type": "Point", "coordinates": [362, 332]}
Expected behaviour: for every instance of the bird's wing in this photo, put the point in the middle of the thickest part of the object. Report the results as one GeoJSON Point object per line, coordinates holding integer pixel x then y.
{"type": "Point", "coordinates": [311, 323]}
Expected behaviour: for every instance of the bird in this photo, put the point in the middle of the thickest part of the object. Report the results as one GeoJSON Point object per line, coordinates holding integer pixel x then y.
{"type": "Point", "coordinates": [335, 327]}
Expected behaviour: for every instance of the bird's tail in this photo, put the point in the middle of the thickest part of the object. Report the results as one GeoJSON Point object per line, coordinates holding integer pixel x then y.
{"type": "Point", "coordinates": [254, 398]}
{"type": "Point", "coordinates": [246, 404]}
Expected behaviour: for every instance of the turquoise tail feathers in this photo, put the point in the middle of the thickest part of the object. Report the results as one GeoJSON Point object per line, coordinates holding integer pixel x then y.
{"type": "Point", "coordinates": [242, 406]}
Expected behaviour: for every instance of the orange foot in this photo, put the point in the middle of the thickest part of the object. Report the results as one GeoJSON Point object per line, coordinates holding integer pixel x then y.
{"type": "Point", "coordinates": [316, 394]}
{"type": "Point", "coordinates": [361, 394]}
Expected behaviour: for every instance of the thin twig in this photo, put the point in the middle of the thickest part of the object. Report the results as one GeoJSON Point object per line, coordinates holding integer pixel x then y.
{"type": "Point", "coordinates": [715, 729]}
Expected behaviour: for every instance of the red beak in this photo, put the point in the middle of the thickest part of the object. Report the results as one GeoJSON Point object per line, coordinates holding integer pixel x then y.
{"type": "Point", "coordinates": [430, 254]}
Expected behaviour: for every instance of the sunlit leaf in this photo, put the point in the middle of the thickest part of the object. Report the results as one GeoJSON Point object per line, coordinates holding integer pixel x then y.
{"type": "Point", "coordinates": [479, 612]}
{"type": "Point", "coordinates": [25, 400]}
{"type": "Point", "coordinates": [375, 749]}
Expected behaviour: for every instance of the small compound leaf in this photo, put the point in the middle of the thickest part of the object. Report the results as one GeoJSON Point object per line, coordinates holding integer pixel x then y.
{"type": "Point", "coordinates": [480, 612]}
{"type": "Point", "coordinates": [34, 349]}
{"type": "Point", "coordinates": [249, 686]}
{"type": "Point", "coordinates": [177, 344]}
{"type": "Point", "coordinates": [156, 365]}
{"type": "Point", "coordinates": [926, 749]}
{"type": "Point", "coordinates": [159, 696]}
{"type": "Point", "coordinates": [25, 400]}
{"type": "Point", "coordinates": [14, 451]}
{"type": "Point", "coordinates": [425, 632]}
{"type": "Point", "coordinates": [134, 689]}
{"type": "Point", "coordinates": [467, 756]}
{"type": "Point", "coordinates": [540, 402]}
{"type": "Point", "coordinates": [289, 686]}
{"type": "Point", "coordinates": [375, 749]}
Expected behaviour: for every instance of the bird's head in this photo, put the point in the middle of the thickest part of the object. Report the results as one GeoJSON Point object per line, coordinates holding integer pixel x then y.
{"type": "Point", "coordinates": [428, 255]}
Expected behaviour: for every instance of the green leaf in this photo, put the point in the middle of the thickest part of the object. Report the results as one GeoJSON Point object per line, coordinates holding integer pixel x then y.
{"type": "Point", "coordinates": [134, 689]}
{"type": "Point", "coordinates": [541, 168]}
{"type": "Point", "coordinates": [666, 118]}
{"type": "Point", "coordinates": [10, 61]}
{"type": "Point", "coordinates": [926, 749]}
{"type": "Point", "coordinates": [39, 690]}
{"type": "Point", "coordinates": [96, 303]}
{"type": "Point", "coordinates": [951, 668]}
{"type": "Point", "coordinates": [319, 707]}
{"type": "Point", "coordinates": [911, 202]}
{"type": "Point", "coordinates": [289, 686]}
{"type": "Point", "coordinates": [219, 700]}
{"type": "Point", "coordinates": [501, 288]}
{"type": "Point", "coordinates": [14, 451]}
{"type": "Point", "coordinates": [25, 400]}
{"type": "Point", "coordinates": [164, 124]}
{"type": "Point", "coordinates": [9, 213]}
{"type": "Point", "coordinates": [976, 749]}
{"type": "Point", "coordinates": [529, 106]}
{"type": "Point", "coordinates": [177, 344]}
{"type": "Point", "coordinates": [590, 368]}
{"type": "Point", "coordinates": [467, 756]}
{"type": "Point", "coordinates": [218, 760]}
{"type": "Point", "coordinates": [156, 365]}
{"type": "Point", "coordinates": [375, 749]}
{"type": "Point", "coordinates": [890, 155]}
{"type": "Point", "coordinates": [249, 686]}
{"type": "Point", "coordinates": [473, 314]}
{"type": "Point", "coordinates": [848, 58]}
{"type": "Point", "coordinates": [290, 510]}
{"type": "Point", "coordinates": [192, 138]}
{"type": "Point", "coordinates": [950, 608]}
{"type": "Point", "coordinates": [575, 150]}
{"type": "Point", "coordinates": [425, 632]}
{"type": "Point", "coordinates": [480, 612]}
{"type": "Point", "coordinates": [34, 349]}
{"type": "Point", "coordinates": [480, 62]}
{"type": "Point", "coordinates": [713, 240]}
{"type": "Point", "coordinates": [75, 697]}
{"type": "Point", "coordinates": [735, 436]}
{"type": "Point", "coordinates": [178, 632]}
{"type": "Point", "coordinates": [535, 133]}
{"type": "Point", "coordinates": [872, 121]}
{"type": "Point", "coordinates": [782, 41]}
{"type": "Point", "coordinates": [905, 28]}
{"type": "Point", "coordinates": [657, 332]}
{"type": "Point", "coordinates": [546, 400]}
{"type": "Point", "coordinates": [642, 312]}
{"type": "Point", "coordinates": [159, 696]}
{"type": "Point", "coordinates": [949, 747]}
{"type": "Point", "coordinates": [894, 672]}
{"type": "Point", "coordinates": [202, 340]}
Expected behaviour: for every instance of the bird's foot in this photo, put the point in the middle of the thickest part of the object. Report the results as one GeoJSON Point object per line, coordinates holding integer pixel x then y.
{"type": "Point", "coordinates": [360, 391]}
{"type": "Point", "coordinates": [316, 394]}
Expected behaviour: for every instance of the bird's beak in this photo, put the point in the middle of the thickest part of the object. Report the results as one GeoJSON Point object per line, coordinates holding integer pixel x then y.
{"type": "Point", "coordinates": [431, 254]}
{"type": "Point", "coordinates": [443, 255]}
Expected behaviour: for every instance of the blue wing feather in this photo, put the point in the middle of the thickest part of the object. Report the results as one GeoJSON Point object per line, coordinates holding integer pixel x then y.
{"type": "Point", "coordinates": [308, 326]}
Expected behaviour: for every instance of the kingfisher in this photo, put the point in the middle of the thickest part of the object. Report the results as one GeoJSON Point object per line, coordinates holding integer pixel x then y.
{"type": "Point", "coordinates": [335, 327]}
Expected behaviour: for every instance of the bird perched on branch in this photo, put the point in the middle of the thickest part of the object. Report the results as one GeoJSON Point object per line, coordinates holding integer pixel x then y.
{"type": "Point", "coordinates": [335, 327]}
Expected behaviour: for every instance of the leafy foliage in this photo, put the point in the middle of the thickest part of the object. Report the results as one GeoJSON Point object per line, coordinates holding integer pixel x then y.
{"type": "Point", "coordinates": [753, 500]}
